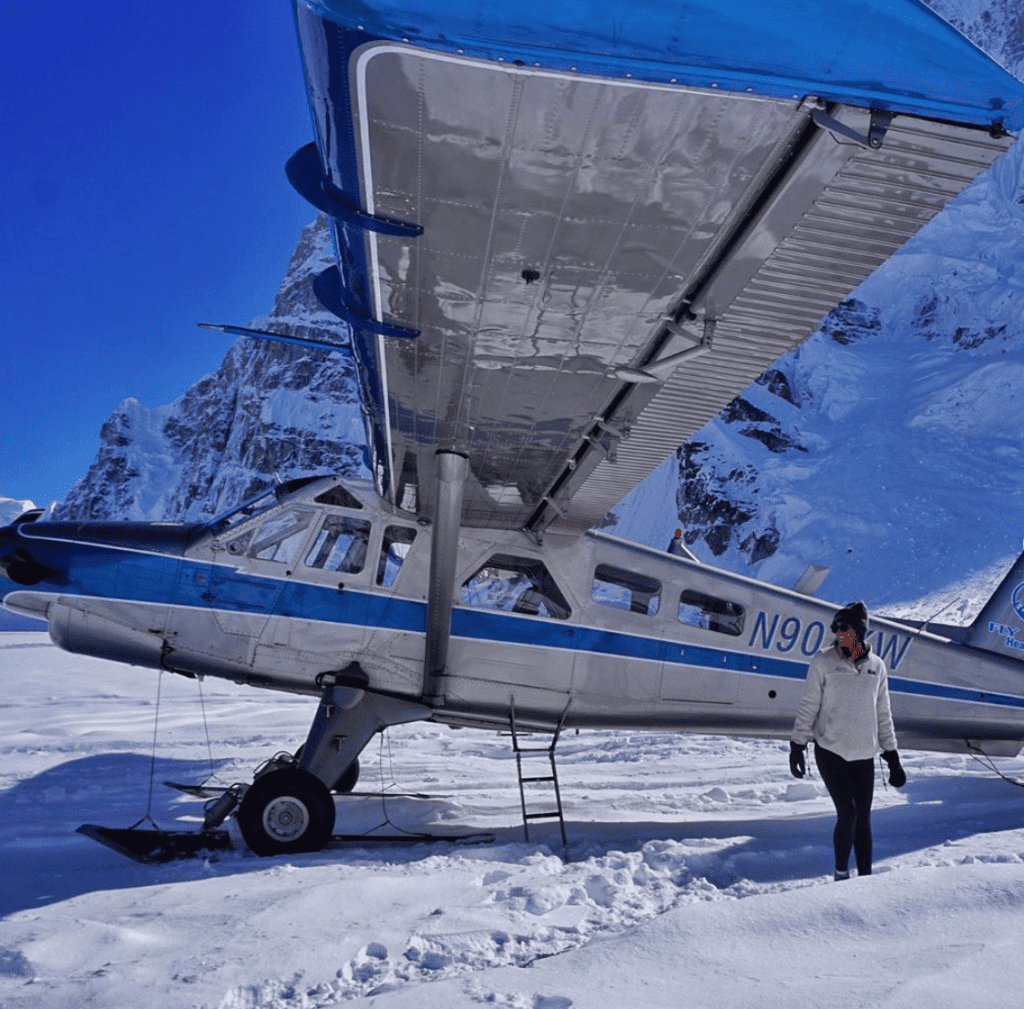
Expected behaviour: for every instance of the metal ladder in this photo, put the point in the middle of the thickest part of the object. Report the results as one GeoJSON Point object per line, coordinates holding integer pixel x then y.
{"type": "Point", "coordinates": [537, 751]}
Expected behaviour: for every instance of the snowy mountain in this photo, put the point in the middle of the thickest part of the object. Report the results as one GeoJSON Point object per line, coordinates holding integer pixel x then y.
{"type": "Point", "coordinates": [887, 447]}
{"type": "Point", "coordinates": [270, 408]}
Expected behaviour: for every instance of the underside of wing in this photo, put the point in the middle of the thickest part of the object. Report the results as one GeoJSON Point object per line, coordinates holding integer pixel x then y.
{"type": "Point", "coordinates": [561, 275]}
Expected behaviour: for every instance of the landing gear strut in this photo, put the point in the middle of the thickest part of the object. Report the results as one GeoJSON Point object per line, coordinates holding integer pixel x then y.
{"type": "Point", "coordinates": [290, 808]}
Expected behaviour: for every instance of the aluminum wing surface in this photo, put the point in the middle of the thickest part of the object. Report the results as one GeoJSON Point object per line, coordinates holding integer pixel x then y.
{"type": "Point", "coordinates": [563, 276]}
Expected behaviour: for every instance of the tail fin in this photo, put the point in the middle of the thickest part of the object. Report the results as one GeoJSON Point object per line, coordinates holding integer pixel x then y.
{"type": "Point", "coordinates": [999, 627]}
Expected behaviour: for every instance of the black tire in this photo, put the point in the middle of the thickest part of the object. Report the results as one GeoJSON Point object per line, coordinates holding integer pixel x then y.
{"type": "Point", "coordinates": [347, 780]}
{"type": "Point", "coordinates": [285, 812]}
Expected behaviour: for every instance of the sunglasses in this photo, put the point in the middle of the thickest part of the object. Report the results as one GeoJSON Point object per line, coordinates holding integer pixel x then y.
{"type": "Point", "coordinates": [840, 627]}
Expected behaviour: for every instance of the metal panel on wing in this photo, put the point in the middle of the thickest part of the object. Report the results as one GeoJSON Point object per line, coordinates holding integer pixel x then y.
{"type": "Point", "coordinates": [562, 218]}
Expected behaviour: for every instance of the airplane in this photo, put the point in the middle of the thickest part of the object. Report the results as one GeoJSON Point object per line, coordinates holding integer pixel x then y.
{"type": "Point", "coordinates": [567, 236]}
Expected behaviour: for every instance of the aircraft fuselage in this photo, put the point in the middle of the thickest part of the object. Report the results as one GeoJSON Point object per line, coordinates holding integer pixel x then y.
{"type": "Point", "coordinates": [592, 630]}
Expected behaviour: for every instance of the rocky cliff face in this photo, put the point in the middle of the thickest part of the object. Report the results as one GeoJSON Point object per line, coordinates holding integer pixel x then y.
{"type": "Point", "coordinates": [719, 499]}
{"type": "Point", "coordinates": [268, 409]}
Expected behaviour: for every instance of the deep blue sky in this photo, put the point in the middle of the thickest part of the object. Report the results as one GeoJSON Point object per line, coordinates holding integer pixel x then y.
{"type": "Point", "coordinates": [142, 158]}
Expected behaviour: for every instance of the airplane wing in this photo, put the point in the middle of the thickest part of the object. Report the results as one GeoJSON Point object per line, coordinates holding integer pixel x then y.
{"type": "Point", "coordinates": [568, 234]}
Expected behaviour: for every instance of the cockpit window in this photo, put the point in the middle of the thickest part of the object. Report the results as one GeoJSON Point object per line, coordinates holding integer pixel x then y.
{"type": "Point", "coordinates": [339, 497]}
{"type": "Point", "coordinates": [280, 538]}
{"type": "Point", "coordinates": [394, 548]}
{"type": "Point", "coordinates": [340, 545]}
{"type": "Point", "coordinates": [516, 585]}
{"type": "Point", "coordinates": [626, 590]}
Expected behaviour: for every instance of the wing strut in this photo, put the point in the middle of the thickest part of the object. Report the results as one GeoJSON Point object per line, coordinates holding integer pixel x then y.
{"type": "Point", "coordinates": [444, 548]}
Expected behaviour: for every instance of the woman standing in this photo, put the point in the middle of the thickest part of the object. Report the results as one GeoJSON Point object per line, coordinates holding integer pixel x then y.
{"type": "Point", "coordinates": [845, 710]}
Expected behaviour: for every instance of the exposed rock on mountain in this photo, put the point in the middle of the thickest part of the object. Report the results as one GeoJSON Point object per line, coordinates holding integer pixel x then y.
{"type": "Point", "coordinates": [269, 409]}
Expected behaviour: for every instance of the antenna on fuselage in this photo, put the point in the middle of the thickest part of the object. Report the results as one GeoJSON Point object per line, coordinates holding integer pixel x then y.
{"type": "Point", "coordinates": [937, 613]}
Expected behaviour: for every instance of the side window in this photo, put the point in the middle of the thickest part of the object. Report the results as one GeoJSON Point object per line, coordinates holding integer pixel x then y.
{"type": "Point", "coordinates": [516, 585]}
{"type": "Point", "coordinates": [281, 536]}
{"type": "Point", "coordinates": [699, 610]}
{"type": "Point", "coordinates": [394, 548]}
{"type": "Point", "coordinates": [626, 590]}
{"type": "Point", "coordinates": [340, 545]}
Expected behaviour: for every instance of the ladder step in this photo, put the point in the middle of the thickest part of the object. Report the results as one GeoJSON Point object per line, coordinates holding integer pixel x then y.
{"type": "Point", "coordinates": [540, 779]}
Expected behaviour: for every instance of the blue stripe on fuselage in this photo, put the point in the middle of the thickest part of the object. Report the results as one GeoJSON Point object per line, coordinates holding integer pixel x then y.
{"type": "Point", "coordinates": [946, 693]}
{"type": "Point", "coordinates": [544, 633]}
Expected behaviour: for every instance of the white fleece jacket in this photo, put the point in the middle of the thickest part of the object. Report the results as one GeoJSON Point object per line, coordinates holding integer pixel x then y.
{"type": "Point", "coordinates": [845, 706]}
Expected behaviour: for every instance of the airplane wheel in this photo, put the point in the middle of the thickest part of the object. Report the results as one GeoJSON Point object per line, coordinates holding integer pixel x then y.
{"type": "Point", "coordinates": [286, 811]}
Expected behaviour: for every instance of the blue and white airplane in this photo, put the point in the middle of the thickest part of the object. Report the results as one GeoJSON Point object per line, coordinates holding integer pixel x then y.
{"type": "Point", "coordinates": [567, 236]}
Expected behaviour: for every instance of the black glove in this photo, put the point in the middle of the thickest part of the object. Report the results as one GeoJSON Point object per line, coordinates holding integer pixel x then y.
{"type": "Point", "coordinates": [897, 776]}
{"type": "Point", "coordinates": [797, 759]}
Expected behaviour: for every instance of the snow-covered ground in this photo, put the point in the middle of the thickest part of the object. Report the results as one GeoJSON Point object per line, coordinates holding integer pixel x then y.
{"type": "Point", "coordinates": [698, 871]}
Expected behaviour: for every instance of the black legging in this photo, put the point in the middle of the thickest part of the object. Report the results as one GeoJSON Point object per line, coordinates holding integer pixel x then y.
{"type": "Point", "coordinates": [851, 783]}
